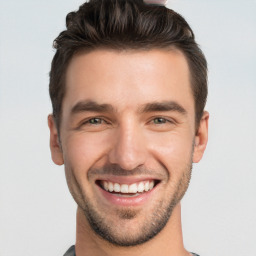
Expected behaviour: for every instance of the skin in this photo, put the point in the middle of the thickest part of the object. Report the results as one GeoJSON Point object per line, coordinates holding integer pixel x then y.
{"type": "Point", "coordinates": [142, 140]}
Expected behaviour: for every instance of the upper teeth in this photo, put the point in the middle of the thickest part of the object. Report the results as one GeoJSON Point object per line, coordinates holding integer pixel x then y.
{"type": "Point", "coordinates": [125, 188]}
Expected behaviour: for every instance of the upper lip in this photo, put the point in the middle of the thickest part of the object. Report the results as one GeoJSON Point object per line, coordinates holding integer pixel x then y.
{"type": "Point", "coordinates": [126, 179]}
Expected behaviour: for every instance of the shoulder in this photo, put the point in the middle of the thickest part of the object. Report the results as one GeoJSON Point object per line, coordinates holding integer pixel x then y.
{"type": "Point", "coordinates": [70, 251]}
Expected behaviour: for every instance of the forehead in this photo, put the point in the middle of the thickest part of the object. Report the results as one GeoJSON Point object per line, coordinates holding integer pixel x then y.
{"type": "Point", "coordinates": [128, 78]}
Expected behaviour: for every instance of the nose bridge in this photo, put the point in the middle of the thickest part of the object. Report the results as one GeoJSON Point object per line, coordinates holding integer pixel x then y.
{"type": "Point", "coordinates": [129, 149]}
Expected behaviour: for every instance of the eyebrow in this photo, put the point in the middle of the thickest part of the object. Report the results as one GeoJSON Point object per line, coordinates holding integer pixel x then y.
{"type": "Point", "coordinates": [92, 106]}
{"type": "Point", "coordinates": [89, 105]}
{"type": "Point", "coordinates": [163, 106]}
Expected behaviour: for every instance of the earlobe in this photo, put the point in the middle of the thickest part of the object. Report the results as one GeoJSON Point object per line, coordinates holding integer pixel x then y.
{"type": "Point", "coordinates": [56, 151]}
{"type": "Point", "coordinates": [201, 138]}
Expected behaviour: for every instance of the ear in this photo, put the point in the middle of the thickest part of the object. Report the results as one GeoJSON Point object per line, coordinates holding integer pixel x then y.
{"type": "Point", "coordinates": [201, 138]}
{"type": "Point", "coordinates": [55, 146]}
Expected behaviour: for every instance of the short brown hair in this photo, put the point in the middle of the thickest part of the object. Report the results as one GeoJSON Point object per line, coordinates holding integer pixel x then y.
{"type": "Point", "coordinates": [125, 24]}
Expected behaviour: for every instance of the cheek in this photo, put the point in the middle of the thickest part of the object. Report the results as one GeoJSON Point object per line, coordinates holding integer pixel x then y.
{"type": "Point", "coordinates": [83, 150]}
{"type": "Point", "coordinates": [173, 150]}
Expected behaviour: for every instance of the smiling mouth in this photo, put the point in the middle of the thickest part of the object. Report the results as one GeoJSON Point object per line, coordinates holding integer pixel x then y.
{"type": "Point", "coordinates": [127, 190]}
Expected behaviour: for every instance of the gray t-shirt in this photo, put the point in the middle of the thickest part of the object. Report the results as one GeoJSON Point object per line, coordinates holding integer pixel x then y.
{"type": "Point", "coordinates": [71, 252]}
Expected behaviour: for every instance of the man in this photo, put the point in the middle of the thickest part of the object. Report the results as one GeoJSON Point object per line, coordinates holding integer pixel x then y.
{"type": "Point", "coordinates": [128, 86]}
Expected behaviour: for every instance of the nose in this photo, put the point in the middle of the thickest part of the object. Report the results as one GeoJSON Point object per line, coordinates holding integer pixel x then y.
{"type": "Point", "coordinates": [129, 147]}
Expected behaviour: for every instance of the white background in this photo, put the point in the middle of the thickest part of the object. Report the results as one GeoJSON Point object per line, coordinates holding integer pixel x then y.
{"type": "Point", "coordinates": [37, 213]}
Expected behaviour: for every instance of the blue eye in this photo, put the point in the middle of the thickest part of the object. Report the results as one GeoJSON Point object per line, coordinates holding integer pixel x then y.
{"type": "Point", "coordinates": [159, 120]}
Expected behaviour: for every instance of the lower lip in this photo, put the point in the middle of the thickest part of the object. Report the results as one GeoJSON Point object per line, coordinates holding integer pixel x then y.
{"type": "Point", "coordinates": [127, 201]}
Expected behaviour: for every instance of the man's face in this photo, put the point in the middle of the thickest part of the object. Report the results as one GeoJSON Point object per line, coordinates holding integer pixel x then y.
{"type": "Point", "coordinates": [127, 139]}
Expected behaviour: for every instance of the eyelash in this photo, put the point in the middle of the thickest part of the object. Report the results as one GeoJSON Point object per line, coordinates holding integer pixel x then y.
{"type": "Point", "coordinates": [88, 121]}
{"type": "Point", "coordinates": [100, 121]}
{"type": "Point", "coordinates": [164, 120]}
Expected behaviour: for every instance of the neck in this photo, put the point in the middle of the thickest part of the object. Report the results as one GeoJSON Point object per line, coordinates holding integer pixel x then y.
{"type": "Point", "coordinates": [169, 241]}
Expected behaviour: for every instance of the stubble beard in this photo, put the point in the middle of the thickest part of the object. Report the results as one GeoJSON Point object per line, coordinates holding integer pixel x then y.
{"type": "Point", "coordinates": [152, 225]}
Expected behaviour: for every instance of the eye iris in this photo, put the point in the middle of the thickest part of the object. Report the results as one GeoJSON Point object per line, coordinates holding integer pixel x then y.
{"type": "Point", "coordinates": [95, 121]}
{"type": "Point", "coordinates": [159, 120]}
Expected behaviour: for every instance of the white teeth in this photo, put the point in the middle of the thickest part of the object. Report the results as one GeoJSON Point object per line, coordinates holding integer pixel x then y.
{"type": "Point", "coordinates": [151, 185]}
{"type": "Point", "coordinates": [125, 188]}
{"type": "Point", "coordinates": [146, 186]}
{"type": "Point", "coordinates": [117, 187]}
{"type": "Point", "coordinates": [105, 185]}
{"type": "Point", "coordinates": [141, 187]}
{"type": "Point", "coordinates": [110, 187]}
{"type": "Point", "coordinates": [133, 188]}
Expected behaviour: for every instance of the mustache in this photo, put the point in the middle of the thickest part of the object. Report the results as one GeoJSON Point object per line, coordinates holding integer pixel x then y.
{"type": "Point", "coordinates": [116, 170]}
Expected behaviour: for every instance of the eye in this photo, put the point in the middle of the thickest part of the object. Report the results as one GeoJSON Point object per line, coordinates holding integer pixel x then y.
{"type": "Point", "coordinates": [161, 124]}
{"type": "Point", "coordinates": [94, 124]}
{"type": "Point", "coordinates": [94, 121]}
{"type": "Point", "coordinates": [159, 120]}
